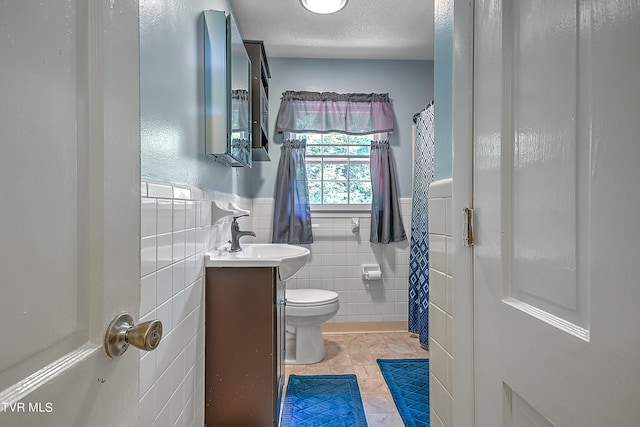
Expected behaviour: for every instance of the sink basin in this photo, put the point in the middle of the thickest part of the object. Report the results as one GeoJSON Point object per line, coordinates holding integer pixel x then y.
{"type": "Point", "coordinates": [288, 258]}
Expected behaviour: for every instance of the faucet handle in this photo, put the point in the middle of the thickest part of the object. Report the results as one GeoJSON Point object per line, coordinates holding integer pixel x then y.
{"type": "Point", "coordinates": [239, 216]}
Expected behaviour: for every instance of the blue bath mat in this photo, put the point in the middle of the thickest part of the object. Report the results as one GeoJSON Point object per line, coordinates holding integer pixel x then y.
{"type": "Point", "coordinates": [408, 380]}
{"type": "Point", "coordinates": [323, 401]}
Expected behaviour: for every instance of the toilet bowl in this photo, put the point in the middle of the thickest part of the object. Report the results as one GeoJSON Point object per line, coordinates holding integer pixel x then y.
{"type": "Point", "coordinates": [306, 310]}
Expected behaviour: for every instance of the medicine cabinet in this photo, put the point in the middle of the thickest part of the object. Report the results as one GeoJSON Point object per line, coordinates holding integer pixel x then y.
{"type": "Point", "coordinates": [227, 87]}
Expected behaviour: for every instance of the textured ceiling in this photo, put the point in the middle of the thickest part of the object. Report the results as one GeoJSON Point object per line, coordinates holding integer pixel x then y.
{"type": "Point", "coordinates": [365, 29]}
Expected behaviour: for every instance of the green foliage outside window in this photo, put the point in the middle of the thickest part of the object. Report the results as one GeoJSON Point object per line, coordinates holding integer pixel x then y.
{"type": "Point", "coordinates": [338, 169]}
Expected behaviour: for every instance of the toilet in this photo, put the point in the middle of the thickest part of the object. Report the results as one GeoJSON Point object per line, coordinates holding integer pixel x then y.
{"type": "Point", "coordinates": [306, 310]}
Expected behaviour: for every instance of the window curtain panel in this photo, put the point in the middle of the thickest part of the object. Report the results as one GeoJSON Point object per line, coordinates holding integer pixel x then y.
{"type": "Point", "coordinates": [292, 214]}
{"type": "Point", "coordinates": [327, 112]}
{"type": "Point", "coordinates": [386, 221]}
{"type": "Point", "coordinates": [239, 110]}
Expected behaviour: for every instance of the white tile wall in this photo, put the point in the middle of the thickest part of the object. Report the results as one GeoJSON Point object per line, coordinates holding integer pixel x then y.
{"type": "Point", "coordinates": [176, 230]}
{"type": "Point", "coordinates": [335, 264]}
{"type": "Point", "coordinates": [440, 303]}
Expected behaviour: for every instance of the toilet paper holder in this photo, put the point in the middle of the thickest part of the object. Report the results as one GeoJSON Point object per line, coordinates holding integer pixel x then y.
{"type": "Point", "coordinates": [371, 272]}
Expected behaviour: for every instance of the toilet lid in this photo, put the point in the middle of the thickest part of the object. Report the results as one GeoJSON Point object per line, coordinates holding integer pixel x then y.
{"type": "Point", "coordinates": [306, 297]}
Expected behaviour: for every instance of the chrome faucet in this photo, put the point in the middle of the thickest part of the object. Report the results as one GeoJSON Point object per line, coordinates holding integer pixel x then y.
{"type": "Point", "coordinates": [236, 234]}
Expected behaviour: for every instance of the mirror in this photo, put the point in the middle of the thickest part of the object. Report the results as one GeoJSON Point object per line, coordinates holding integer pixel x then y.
{"type": "Point", "coordinates": [240, 98]}
{"type": "Point", "coordinates": [227, 91]}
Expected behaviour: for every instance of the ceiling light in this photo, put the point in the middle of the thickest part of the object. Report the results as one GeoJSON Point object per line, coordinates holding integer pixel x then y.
{"type": "Point", "coordinates": [324, 7]}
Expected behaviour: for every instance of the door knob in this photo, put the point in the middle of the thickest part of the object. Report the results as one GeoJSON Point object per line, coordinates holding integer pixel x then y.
{"type": "Point", "coordinates": [122, 332]}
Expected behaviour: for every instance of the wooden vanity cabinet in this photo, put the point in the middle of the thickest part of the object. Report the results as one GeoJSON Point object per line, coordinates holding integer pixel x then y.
{"type": "Point", "coordinates": [244, 346]}
{"type": "Point", "coordinates": [260, 76]}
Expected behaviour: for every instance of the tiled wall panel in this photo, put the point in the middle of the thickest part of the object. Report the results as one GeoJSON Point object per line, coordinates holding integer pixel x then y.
{"type": "Point", "coordinates": [337, 255]}
{"type": "Point", "coordinates": [176, 229]}
{"type": "Point", "coordinates": [440, 302]}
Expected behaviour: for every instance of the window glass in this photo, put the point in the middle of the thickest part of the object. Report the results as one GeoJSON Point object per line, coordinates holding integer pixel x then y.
{"type": "Point", "coordinates": [338, 169]}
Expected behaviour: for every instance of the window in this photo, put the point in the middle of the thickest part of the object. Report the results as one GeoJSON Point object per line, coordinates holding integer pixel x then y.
{"type": "Point", "coordinates": [338, 169]}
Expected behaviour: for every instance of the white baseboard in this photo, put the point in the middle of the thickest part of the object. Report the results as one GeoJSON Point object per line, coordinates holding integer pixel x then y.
{"type": "Point", "coordinates": [348, 327]}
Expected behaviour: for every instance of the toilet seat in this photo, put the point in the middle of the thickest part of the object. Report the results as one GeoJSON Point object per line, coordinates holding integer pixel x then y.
{"type": "Point", "coordinates": [310, 297]}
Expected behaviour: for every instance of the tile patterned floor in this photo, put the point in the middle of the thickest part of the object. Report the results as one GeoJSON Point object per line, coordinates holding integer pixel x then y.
{"type": "Point", "coordinates": [356, 353]}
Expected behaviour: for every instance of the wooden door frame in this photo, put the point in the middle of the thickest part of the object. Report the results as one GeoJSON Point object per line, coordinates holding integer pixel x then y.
{"type": "Point", "coordinates": [462, 187]}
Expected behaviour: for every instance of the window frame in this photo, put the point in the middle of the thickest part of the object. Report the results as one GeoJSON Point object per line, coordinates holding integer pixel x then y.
{"type": "Point", "coordinates": [320, 208]}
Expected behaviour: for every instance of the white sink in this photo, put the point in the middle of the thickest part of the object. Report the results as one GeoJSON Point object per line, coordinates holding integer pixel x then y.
{"type": "Point", "coordinates": [288, 258]}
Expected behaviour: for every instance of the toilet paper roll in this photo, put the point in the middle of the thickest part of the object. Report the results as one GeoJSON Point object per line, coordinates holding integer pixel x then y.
{"type": "Point", "coordinates": [373, 275]}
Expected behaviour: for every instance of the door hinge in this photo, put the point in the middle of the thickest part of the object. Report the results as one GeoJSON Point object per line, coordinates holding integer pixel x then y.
{"type": "Point", "coordinates": [467, 227]}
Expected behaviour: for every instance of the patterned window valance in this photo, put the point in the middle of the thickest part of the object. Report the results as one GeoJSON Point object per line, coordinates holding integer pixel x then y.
{"type": "Point", "coordinates": [326, 112]}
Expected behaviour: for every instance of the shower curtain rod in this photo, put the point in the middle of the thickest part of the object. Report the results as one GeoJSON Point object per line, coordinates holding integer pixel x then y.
{"type": "Point", "coordinates": [416, 115]}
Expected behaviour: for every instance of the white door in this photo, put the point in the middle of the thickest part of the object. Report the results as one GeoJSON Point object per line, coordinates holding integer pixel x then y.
{"type": "Point", "coordinates": [557, 202]}
{"type": "Point", "coordinates": [69, 210]}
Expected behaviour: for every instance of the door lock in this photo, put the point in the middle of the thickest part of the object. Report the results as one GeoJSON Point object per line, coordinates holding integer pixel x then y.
{"type": "Point", "coordinates": [122, 332]}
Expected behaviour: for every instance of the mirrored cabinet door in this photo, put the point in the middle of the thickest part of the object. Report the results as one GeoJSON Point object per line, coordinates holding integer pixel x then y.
{"type": "Point", "coordinates": [227, 91]}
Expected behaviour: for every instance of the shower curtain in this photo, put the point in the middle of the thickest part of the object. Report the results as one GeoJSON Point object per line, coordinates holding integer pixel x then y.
{"type": "Point", "coordinates": [419, 255]}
